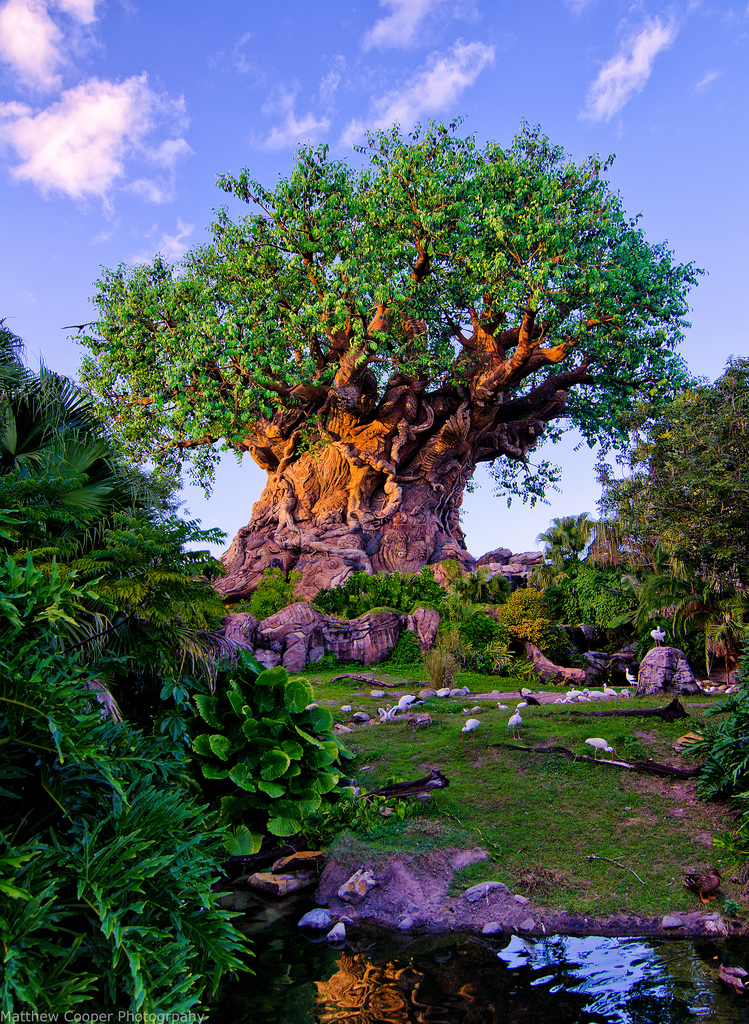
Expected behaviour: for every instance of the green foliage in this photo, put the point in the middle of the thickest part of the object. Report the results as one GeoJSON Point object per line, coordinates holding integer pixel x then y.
{"type": "Point", "coordinates": [517, 241]}
{"type": "Point", "coordinates": [486, 641]}
{"type": "Point", "coordinates": [267, 760]}
{"type": "Point", "coordinates": [362, 593]}
{"type": "Point", "coordinates": [274, 592]}
{"type": "Point", "coordinates": [585, 594]}
{"type": "Point", "coordinates": [105, 857]}
{"type": "Point", "coordinates": [525, 616]}
{"type": "Point", "coordinates": [689, 475]}
{"type": "Point", "coordinates": [407, 651]}
{"type": "Point", "coordinates": [358, 814]}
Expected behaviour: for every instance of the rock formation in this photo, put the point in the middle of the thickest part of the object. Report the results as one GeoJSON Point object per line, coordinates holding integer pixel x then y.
{"type": "Point", "coordinates": [665, 670]}
{"type": "Point", "coordinates": [301, 634]}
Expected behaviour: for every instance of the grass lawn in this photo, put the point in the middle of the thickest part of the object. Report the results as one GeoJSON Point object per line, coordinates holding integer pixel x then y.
{"type": "Point", "coordinates": [539, 817]}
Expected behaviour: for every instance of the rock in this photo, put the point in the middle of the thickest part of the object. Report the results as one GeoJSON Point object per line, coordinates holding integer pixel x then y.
{"type": "Point", "coordinates": [406, 924]}
{"type": "Point", "coordinates": [665, 670]}
{"type": "Point", "coordinates": [491, 928]}
{"type": "Point", "coordinates": [346, 708]}
{"type": "Point", "coordinates": [444, 692]}
{"type": "Point", "coordinates": [482, 890]}
{"type": "Point", "coordinates": [426, 693]}
{"type": "Point", "coordinates": [420, 722]}
{"type": "Point", "coordinates": [240, 628]}
{"type": "Point", "coordinates": [716, 927]}
{"type": "Point", "coordinates": [528, 925]}
{"type": "Point", "coordinates": [522, 900]}
{"type": "Point", "coordinates": [357, 887]}
{"type": "Point", "coordinates": [500, 556]}
{"type": "Point", "coordinates": [305, 859]}
{"type": "Point", "coordinates": [318, 919]}
{"type": "Point", "coordinates": [670, 921]}
{"type": "Point", "coordinates": [337, 933]}
{"type": "Point", "coordinates": [360, 716]}
{"type": "Point", "coordinates": [377, 694]}
{"type": "Point", "coordinates": [280, 885]}
{"type": "Point", "coordinates": [338, 728]}
{"type": "Point", "coordinates": [423, 623]}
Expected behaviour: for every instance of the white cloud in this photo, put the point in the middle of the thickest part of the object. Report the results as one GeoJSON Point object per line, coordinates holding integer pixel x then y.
{"type": "Point", "coordinates": [400, 27]}
{"type": "Point", "coordinates": [29, 42]}
{"type": "Point", "coordinates": [434, 88]}
{"type": "Point", "coordinates": [330, 82]}
{"type": "Point", "coordinates": [578, 6]}
{"type": "Point", "coordinates": [291, 130]}
{"type": "Point", "coordinates": [171, 247]}
{"type": "Point", "coordinates": [626, 74]}
{"type": "Point", "coordinates": [707, 79]}
{"type": "Point", "coordinates": [81, 10]}
{"type": "Point", "coordinates": [78, 145]}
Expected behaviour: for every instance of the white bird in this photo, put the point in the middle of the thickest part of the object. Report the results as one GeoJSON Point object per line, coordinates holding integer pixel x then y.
{"type": "Point", "coordinates": [471, 726]}
{"type": "Point", "coordinates": [603, 745]}
{"type": "Point", "coordinates": [502, 707]}
{"type": "Point", "coordinates": [584, 700]}
{"type": "Point", "coordinates": [514, 723]}
{"type": "Point", "coordinates": [388, 713]}
{"type": "Point", "coordinates": [659, 635]}
{"type": "Point", "coordinates": [473, 711]}
{"type": "Point", "coordinates": [624, 692]}
{"type": "Point", "coordinates": [574, 693]}
{"type": "Point", "coordinates": [609, 690]}
{"type": "Point", "coordinates": [526, 692]}
{"type": "Point", "coordinates": [407, 700]}
{"type": "Point", "coordinates": [632, 680]}
{"type": "Point", "coordinates": [595, 694]}
{"type": "Point", "coordinates": [522, 704]}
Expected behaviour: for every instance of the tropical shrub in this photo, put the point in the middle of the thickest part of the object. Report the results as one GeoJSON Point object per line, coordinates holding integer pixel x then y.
{"type": "Point", "coordinates": [268, 759]}
{"type": "Point", "coordinates": [275, 591]}
{"type": "Point", "coordinates": [407, 651]}
{"type": "Point", "coordinates": [525, 617]}
{"type": "Point", "coordinates": [106, 859]}
{"type": "Point", "coordinates": [362, 592]}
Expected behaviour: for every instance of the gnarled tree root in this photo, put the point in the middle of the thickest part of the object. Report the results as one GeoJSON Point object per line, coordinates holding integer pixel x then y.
{"type": "Point", "coordinates": [645, 767]}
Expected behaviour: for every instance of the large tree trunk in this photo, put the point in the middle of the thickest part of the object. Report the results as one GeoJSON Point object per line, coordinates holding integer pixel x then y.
{"type": "Point", "coordinates": [378, 492]}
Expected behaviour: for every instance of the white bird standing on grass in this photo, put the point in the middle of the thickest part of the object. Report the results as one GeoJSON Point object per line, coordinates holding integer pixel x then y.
{"type": "Point", "coordinates": [514, 723]}
{"type": "Point", "coordinates": [603, 745]}
{"type": "Point", "coordinates": [502, 707]}
{"type": "Point", "coordinates": [471, 726]}
{"type": "Point", "coordinates": [632, 680]}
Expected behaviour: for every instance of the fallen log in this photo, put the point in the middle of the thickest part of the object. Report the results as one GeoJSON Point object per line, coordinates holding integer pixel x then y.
{"type": "Point", "coordinates": [670, 713]}
{"type": "Point", "coordinates": [365, 679]}
{"type": "Point", "coordinates": [418, 788]}
{"type": "Point", "coordinates": [644, 767]}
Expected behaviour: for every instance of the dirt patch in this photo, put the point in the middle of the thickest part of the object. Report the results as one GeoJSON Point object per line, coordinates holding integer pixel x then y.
{"type": "Point", "coordinates": [411, 895]}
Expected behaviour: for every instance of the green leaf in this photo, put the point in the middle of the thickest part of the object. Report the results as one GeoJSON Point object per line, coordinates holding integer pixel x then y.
{"type": "Point", "coordinates": [242, 843]}
{"type": "Point", "coordinates": [272, 677]}
{"type": "Point", "coordinates": [322, 720]}
{"type": "Point", "coordinates": [274, 763]}
{"type": "Point", "coordinates": [208, 708]}
{"type": "Point", "coordinates": [293, 749]}
{"type": "Point", "coordinates": [326, 782]}
{"type": "Point", "coordinates": [241, 776]}
{"type": "Point", "coordinates": [211, 772]}
{"type": "Point", "coordinates": [284, 826]}
{"type": "Point", "coordinates": [220, 745]}
{"type": "Point", "coordinates": [273, 789]}
{"type": "Point", "coordinates": [297, 695]}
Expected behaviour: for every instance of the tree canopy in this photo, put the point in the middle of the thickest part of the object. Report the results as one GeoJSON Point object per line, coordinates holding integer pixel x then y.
{"type": "Point", "coordinates": [511, 277]}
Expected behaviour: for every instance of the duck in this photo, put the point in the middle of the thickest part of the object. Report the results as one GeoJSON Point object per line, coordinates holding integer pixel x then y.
{"type": "Point", "coordinates": [703, 883]}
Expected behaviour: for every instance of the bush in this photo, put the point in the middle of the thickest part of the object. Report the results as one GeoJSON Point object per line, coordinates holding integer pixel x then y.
{"type": "Point", "coordinates": [441, 667]}
{"type": "Point", "coordinates": [275, 591]}
{"type": "Point", "coordinates": [106, 859]}
{"type": "Point", "coordinates": [268, 760]}
{"type": "Point", "coordinates": [362, 592]}
{"type": "Point", "coordinates": [525, 617]}
{"type": "Point", "coordinates": [407, 651]}
{"type": "Point", "coordinates": [483, 634]}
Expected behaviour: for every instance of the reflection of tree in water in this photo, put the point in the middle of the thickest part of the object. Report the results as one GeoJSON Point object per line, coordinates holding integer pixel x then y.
{"type": "Point", "coordinates": [471, 987]}
{"type": "Point", "coordinates": [383, 978]}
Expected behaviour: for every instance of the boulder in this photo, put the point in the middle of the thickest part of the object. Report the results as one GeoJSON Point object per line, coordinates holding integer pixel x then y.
{"type": "Point", "coordinates": [240, 628]}
{"type": "Point", "coordinates": [665, 670]}
{"type": "Point", "coordinates": [318, 919]}
{"type": "Point", "coordinates": [424, 623]}
{"type": "Point", "coordinates": [357, 887]}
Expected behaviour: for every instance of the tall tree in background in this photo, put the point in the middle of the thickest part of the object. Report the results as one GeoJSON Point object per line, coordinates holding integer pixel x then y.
{"type": "Point", "coordinates": [370, 336]}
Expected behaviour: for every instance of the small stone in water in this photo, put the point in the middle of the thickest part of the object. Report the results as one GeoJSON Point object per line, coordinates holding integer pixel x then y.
{"type": "Point", "coordinates": [318, 919]}
{"type": "Point", "coordinates": [338, 933]}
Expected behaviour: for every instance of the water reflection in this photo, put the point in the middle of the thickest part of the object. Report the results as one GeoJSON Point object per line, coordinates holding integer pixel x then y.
{"type": "Point", "coordinates": [381, 978]}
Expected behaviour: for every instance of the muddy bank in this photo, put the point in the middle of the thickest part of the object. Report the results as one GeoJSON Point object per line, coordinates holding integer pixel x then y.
{"type": "Point", "coordinates": [411, 896]}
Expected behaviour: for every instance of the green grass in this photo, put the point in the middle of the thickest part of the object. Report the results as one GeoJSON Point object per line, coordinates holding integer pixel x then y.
{"type": "Point", "coordinates": [536, 814]}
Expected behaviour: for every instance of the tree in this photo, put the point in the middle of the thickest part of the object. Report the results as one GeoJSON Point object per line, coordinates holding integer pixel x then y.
{"type": "Point", "coordinates": [371, 335]}
{"type": "Point", "coordinates": [689, 482]}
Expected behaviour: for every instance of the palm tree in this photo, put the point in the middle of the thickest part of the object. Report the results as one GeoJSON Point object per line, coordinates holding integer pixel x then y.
{"type": "Point", "coordinates": [566, 541]}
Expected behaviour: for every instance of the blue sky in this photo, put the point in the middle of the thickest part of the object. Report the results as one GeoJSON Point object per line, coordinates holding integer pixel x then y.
{"type": "Point", "coordinates": [116, 118]}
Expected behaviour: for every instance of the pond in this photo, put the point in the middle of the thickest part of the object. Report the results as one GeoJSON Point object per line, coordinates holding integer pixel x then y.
{"type": "Point", "coordinates": [386, 978]}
